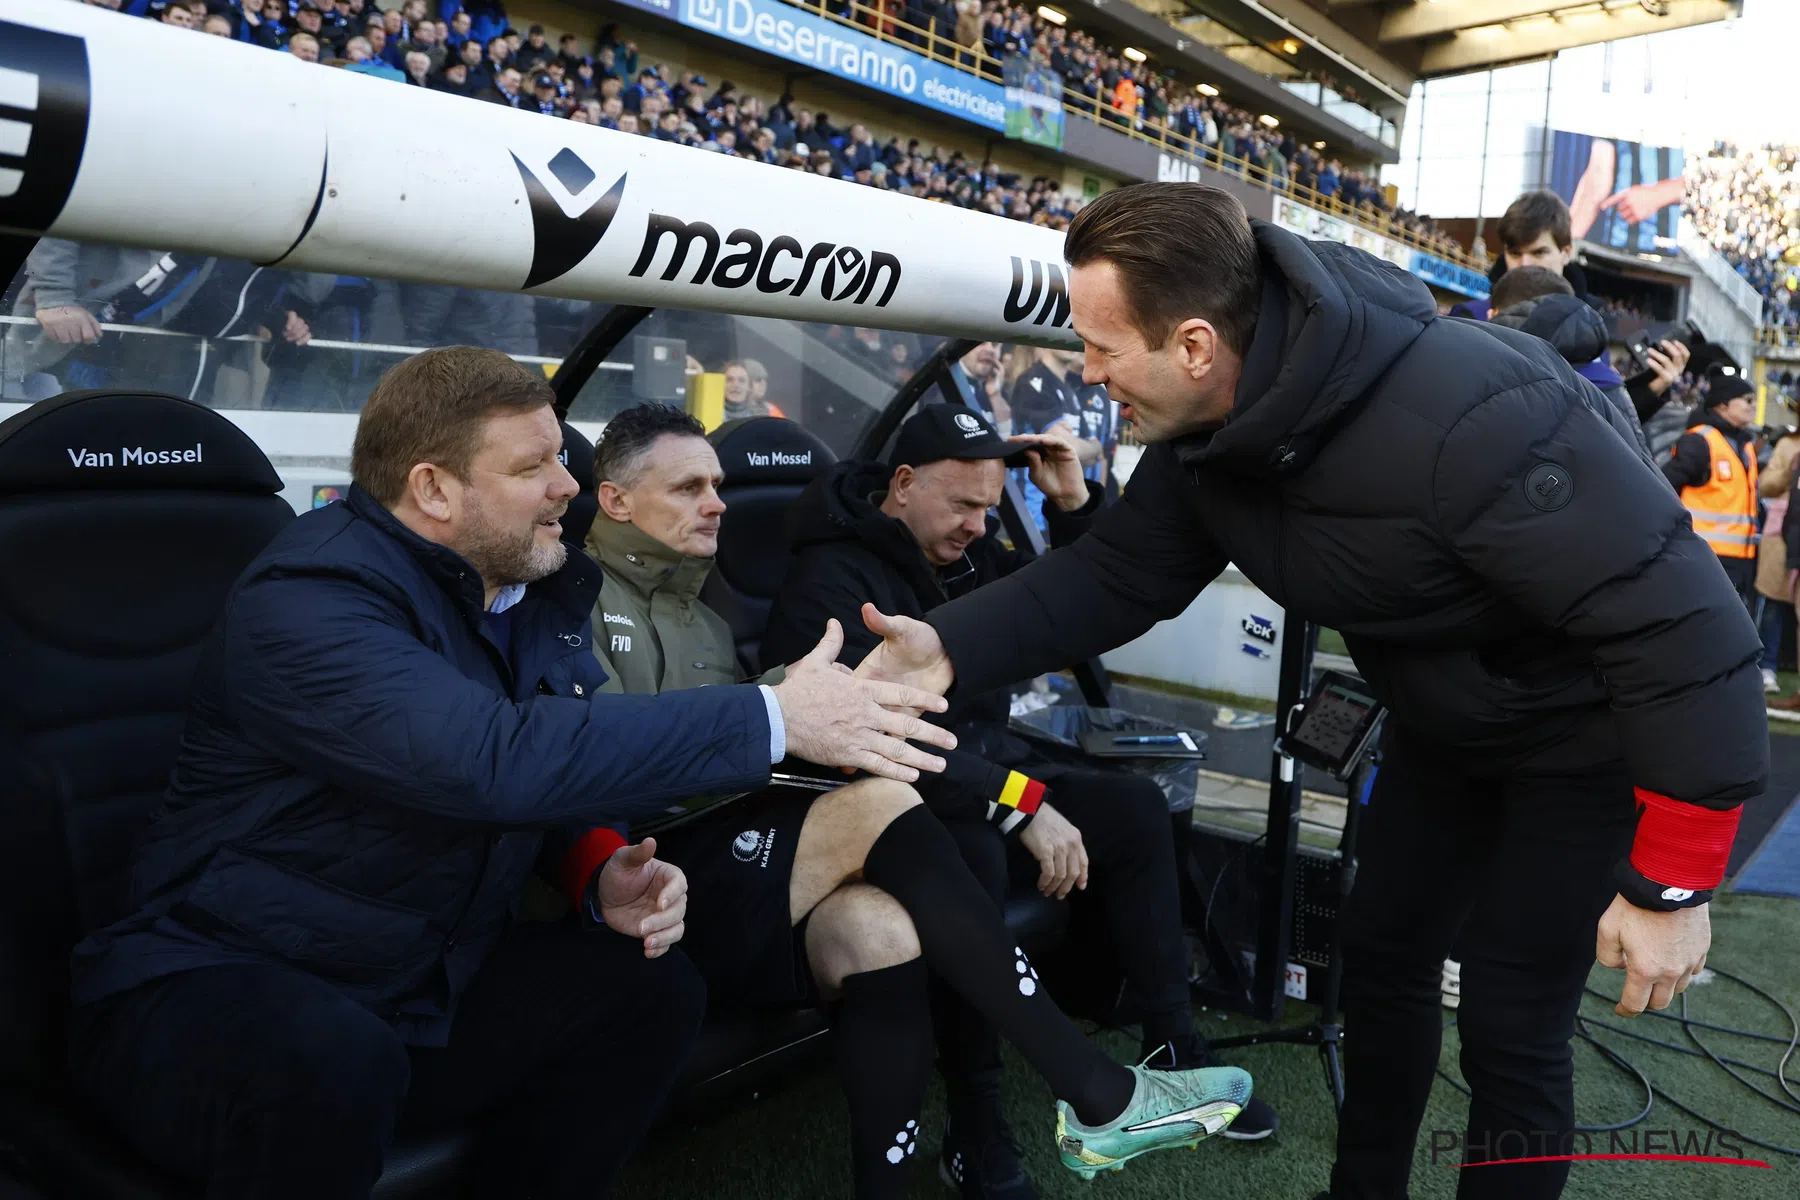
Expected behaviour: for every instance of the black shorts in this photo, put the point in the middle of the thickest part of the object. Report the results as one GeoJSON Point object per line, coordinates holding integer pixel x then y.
{"type": "Point", "coordinates": [738, 863]}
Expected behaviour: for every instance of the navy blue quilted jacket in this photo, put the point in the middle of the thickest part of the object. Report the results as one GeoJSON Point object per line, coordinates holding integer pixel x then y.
{"type": "Point", "coordinates": [364, 784]}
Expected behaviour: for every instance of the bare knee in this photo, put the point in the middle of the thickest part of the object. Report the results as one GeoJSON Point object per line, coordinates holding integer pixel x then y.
{"type": "Point", "coordinates": [855, 929]}
{"type": "Point", "coordinates": [869, 805]}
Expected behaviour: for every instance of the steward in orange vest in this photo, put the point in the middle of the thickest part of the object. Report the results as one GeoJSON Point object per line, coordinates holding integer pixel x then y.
{"type": "Point", "coordinates": [1713, 466]}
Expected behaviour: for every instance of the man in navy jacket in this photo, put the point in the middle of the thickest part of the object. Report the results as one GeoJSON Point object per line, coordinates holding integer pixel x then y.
{"type": "Point", "coordinates": [396, 706]}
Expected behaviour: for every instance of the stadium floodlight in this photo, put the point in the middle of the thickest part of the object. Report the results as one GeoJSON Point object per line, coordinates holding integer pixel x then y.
{"type": "Point", "coordinates": [1134, 54]}
{"type": "Point", "coordinates": [1728, 370]}
{"type": "Point", "coordinates": [1319, 145]}
{"type": "Point", "coordinates": [1290, 46]}
{"type": "Point", "coordinates": [1052, 15]}
{"type": "Point", "coordinates": [1271, 122]}
{"type": "Point", "coordinates": [1207, 89]}
{"type": "Point", "coordinates": [477, 195]}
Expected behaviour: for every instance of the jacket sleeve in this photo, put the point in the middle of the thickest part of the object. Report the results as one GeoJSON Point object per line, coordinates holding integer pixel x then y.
{"type": "Point", "coordinates": [811, 597]}
{"type": "Point", "coordinates": [1689, 463]}
{"type": "Point", "coordinates": [351, 696]}
{"type": "Point", "coordinates": [50, 269]}
{"type": "Point", "coordinates": [1143, 560]}
{"type": "Point", "coordinates": [1779, 477]}
{"type": "Point", "coordinates": [1611, 559]}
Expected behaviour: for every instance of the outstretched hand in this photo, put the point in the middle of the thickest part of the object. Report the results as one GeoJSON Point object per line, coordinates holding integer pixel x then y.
{"type": "Point", "coordinates": [641, 896]}
{"type": "Point", "coordinates": [910, 653]}
{"type": "Point", "coordinates": [841, 719]}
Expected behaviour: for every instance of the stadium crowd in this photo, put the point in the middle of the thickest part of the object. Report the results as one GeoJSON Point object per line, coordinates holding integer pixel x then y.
{"type": "Point", "coordinates": [1746, 203]}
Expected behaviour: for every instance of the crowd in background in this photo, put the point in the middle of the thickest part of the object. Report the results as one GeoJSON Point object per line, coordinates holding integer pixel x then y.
{"type": "Point", "coordinates": [1746, 203]}
{"type": "Point", "coordinates": [1104, 83]}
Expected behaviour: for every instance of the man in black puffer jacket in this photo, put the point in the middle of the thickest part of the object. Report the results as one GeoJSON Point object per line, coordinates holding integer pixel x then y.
{"type": "Point", "coordinates": [1563, 659]}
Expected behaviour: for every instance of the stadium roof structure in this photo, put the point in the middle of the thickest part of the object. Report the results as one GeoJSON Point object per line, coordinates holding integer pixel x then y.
{"type": "Point", "coordinates": [1423, 39]}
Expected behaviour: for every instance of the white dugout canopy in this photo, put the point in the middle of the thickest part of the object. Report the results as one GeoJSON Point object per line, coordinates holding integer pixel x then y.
{"type": "Point", "coordinates": [117, 129]}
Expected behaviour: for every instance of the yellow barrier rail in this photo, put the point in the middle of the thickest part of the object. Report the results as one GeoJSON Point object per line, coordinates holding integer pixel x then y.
{"type": "Point", "coordinates": [883, 25]}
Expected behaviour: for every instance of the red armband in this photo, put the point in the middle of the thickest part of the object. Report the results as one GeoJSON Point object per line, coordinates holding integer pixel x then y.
{"type": "Point", "coordinates": [585, 857]}
{"type": "Point", "coordinates": [1682, 845]}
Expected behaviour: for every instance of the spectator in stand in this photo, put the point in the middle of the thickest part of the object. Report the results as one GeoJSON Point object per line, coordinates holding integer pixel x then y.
{"type": "Point", "coordinates": [505, 90]}
{"type": "Point", "coordinates": [535, 52]}
{"type": "Point", "coordinates": [544, 99]}
{"type": "Point", "coordinates": [475, 59]}
{"type": "Point", "coordinates": [425, 41]}
{"type": "Point", "coordinates": [310, 21]}
{"type": "Point", "coordinates": [363, 61]}
{"type": "Point", "coordinates": [418, 68]}
{"type": "Point", "coordinates": [304, 47]}
{"type": "Point", "coordinates": [459, 30]}
{"type": "Point", "coordinates": [218, 24]}
{"type": "Point", "coordinates": [454, 78]}
{"type": "Point", "coordinates": [178, 16]}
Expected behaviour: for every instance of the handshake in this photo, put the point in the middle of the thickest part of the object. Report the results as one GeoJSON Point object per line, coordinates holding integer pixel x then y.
{"type": "Point", "coordinates": [863, 719]}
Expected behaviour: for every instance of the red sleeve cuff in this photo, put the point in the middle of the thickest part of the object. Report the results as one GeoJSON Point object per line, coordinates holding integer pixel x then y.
{"type": "Point", "coordinates": [585, 857]}
{"type": "Point", "coordinates": [1682, 845]}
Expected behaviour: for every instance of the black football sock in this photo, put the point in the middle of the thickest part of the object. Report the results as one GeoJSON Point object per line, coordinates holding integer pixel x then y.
{"type": "Point", "coordinates": [881, 1035]}
{"type": "Point", "coordinates": [967, 944]}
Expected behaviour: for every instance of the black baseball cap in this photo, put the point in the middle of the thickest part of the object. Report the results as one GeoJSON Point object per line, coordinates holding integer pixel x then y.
{"type": "Point", "coordinates": [940, 431]}
{"type": "Point", "coordinates": [545, 81]}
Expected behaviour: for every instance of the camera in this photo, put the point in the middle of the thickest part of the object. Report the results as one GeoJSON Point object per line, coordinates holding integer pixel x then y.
{"type": "Point", "coordinates": [1640, 345]}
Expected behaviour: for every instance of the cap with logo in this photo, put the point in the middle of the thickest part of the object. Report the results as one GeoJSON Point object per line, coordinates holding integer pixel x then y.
{"type": "Point", "coordinates": [546, 81]}
{"type": "Point", "coordinates": [940, 431]}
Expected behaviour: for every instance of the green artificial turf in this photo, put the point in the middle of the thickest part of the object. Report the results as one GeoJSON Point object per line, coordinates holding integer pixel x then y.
{"type": "Point", "coordinates": [791, 1143]}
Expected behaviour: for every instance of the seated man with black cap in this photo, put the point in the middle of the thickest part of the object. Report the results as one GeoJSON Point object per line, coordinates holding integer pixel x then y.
{"type": "Point", "coordinates": [906, 537]}
{"type": "Point", "coordinates": [847, 896]}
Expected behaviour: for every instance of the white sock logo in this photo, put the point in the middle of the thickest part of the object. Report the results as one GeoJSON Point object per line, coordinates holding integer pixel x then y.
{"type": "Point", "coordinates": [905, 1142]}
{"type": "Point", "coordinates": [1027, 973]}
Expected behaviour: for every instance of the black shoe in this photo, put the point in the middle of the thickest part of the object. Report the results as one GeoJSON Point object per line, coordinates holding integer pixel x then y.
{"type": "Point", "coordinates": [1256, 1122]}
{"type": "Point", "coordinates": [980, 1161]}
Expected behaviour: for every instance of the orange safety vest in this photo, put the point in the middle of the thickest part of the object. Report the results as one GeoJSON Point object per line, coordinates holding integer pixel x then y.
{"type": "Point", "coordinates": [1724, 507]}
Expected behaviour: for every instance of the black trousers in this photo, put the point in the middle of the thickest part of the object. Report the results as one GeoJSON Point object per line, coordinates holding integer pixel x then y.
{"type": "Point", "coordinates": [1522, 867]}
{"type": "Point", "coordinates": [268, 1084]}
{"type": "Point", "coordinates": [1132, 881]}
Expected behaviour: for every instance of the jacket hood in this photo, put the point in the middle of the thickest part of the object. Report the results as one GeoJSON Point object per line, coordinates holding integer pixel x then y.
{"type": "Point", "coordinates": [844, 505]}
{"type": "Point", "coordinates": [1332, 320]}
{"type": "Point", "coordinates": [1568, 323]}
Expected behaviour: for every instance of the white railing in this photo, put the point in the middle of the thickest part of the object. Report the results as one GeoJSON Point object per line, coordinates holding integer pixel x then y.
{"type": "Point", "coordinates": [1712, 264]}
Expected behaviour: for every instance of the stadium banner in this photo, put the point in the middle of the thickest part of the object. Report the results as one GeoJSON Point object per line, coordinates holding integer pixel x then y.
{"type": "Point", "coordinates": [787, 32]}
{"type": "Point", "coordinates": [1307, 221]}
{"type": "Point", "coordinates": [1034, 111]}
{"type": "Point", "coordinates": [1621, 194]}
{"type": "Point", "coordinates": [477, 195]}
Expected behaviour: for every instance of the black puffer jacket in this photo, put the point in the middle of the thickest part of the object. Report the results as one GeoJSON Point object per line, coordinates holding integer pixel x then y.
{"type": "Point", "coordinates": [848, 551]}
{"type": "Point", "coordinates": [1510, 575]}
{"type": "Point", "coordinates": [1578, 333]}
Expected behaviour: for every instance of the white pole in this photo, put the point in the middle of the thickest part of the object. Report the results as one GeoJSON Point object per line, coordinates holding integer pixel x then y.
{"type": "Point", "coordinates": [257, 155]}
